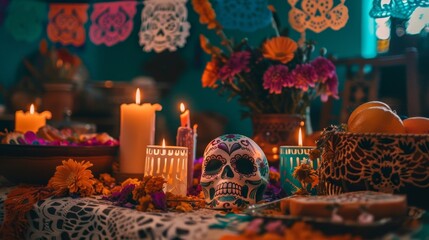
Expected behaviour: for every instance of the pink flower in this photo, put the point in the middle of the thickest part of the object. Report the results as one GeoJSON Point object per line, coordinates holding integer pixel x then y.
{"type": "Point", "coordinates": [237, 63]}
{"type": "Point", "coordinates": [330, 88]}
{"type": "Point", "coordinates": [276, 77]}
{"type": "Point", "coordinates": [324, 67]}
{"type": "Point", "coordinates": [304, 76]}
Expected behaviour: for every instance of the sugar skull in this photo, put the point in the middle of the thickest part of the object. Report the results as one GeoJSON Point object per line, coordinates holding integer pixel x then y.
{"type": "Point", "coordinates": [164, 25]}
{"type": "Point", "coordinates": [235, 172]}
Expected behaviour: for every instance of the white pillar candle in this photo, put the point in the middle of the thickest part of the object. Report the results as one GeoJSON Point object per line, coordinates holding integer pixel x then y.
{"type": "Point", "coordinates": [31, 120]}
{"type": "Point", "coordinates": [137, 131]}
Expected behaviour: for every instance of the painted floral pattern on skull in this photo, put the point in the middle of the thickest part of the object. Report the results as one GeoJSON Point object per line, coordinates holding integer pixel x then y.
{"type": "Point", "coordinates": [235, 172]}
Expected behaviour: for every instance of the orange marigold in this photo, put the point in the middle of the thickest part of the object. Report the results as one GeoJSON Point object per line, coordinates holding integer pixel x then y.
{"type": "Point", "coordinates": [128, 181]}
{"type": "Point", "coordinates": [153, 184]}
{"type": "Point", "coordinates": [280, 48]}
{"type": "Point", "coordinates": [73, 177]}
{"type": "Point", "coordinates": [207, 47]}
{"type": "Point", "coordinates": [207, 14]}
{"type": "Point", "coordinates": [137, 189]}
{"type": "Point", "coordinates": [209, 77]}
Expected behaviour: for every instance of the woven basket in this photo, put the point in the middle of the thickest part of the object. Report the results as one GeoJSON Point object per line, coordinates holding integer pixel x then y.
{"type": "Point", "coordinates": [392, 163]}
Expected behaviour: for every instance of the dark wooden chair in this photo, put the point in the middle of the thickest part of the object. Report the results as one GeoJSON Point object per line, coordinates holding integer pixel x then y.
{"type": "Point", "coordinates": [362, 84]}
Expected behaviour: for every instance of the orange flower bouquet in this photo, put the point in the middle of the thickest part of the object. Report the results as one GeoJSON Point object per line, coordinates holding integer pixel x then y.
{"type": "Point", "coordinates": [277, 77]}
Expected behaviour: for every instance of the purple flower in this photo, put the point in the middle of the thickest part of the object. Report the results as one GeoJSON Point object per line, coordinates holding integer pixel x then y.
{"type": "Point", "coordinates": [276, 77]}
{"type": "Point", "coordinates": [159, 200]}
{"type": "Point", "coordinates": [274, 169]}
{"type": "Point", "coordinates": [123, 197]}
{"type": "Point", "coordinates": [305, 76]}
{"type": "Point", "coordinates": [324, 67]}
{"type": "Point", "coordinates": [237, 63]}
{"type": "Point", "coordinates": [31, 138]}
{"type": "Point", "coordinates": [195, 190]}
{"type": "Point", "coordinates": [275, 227]}
{"type": "Point", "coordinates": [255, 226]}
{"type": "Point", "coordinates": [330, 88]}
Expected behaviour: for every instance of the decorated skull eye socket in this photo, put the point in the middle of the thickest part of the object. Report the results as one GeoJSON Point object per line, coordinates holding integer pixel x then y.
{"type": "Point", "coordinates": [214, 164]}
{"type": "Point", "coordinates": [244, 165]}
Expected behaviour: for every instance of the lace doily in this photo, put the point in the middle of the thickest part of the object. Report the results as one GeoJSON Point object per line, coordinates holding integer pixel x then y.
{"type": "Point", "coordinates": [25, 19]}
{"type": "Point", "coordinates": [317, 15]}
{"type": "Point", "coordinates": [111, 22]}
{"type": "Point", "coordinates": [243, 15]}
{"type": "Point", "coordinates": [66, 23]}
{"type": "Point", "coordinates": [164, 25]}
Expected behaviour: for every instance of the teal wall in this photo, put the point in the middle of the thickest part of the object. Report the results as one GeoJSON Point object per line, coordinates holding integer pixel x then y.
{"type": "Point", "coordinates": [125, 60]}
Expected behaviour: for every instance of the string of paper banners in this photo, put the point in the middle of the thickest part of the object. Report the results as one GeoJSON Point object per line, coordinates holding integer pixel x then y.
{"type": "Point", "coordinates": [164, 24]}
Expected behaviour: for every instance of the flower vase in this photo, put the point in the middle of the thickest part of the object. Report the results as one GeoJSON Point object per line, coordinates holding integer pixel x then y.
{"type": "Point", "coordinates": [58, 98]}
{"type": "Point", "coordinates": [270, 131]}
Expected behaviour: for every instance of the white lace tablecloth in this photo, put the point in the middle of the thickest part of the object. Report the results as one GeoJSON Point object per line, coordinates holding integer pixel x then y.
{"type": "Point", "coordinates": [89, 218]}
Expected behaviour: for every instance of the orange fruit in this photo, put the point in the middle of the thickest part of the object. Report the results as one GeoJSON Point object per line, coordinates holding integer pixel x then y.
{"type": "Point", "coordinates": [419, 125]}
{"type": "Point", "coordinates": [365, 106]}
{"type": "Point", "coordinates": [376, 120]}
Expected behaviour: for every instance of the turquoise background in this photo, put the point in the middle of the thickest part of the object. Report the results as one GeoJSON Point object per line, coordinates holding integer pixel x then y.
{"type": "Point", "coordinates": [125, 60]}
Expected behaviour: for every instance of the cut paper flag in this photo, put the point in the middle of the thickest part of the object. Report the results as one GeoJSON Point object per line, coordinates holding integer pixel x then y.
{"type": "Point", "coordinates": [25, 19]}
{"type": "Point", "coordinates": [66, 23]}
{"type": "Point", "coordinates": [111, 22]}
{"type": "Point", "coordinates": [164, 25]}
{"type": "Point", "coordinates": [3, 7]}
{"type": "Point", "coordinates": [244, 15]}
{"type": "Point", "coordinates": [317, 15]}
{"type": "Point", "coordinates": [396, 8]}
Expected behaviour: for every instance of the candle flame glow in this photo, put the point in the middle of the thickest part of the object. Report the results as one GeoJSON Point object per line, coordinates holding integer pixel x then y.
{"type": "Point", "coordinates": [300, 137]}
{"type": "Point", "coordinates": [182, 107]}
{"type": "Point", "coordinates": [32, 109]}
{"type": "Point", "coordinates": [138, 96]}
{"type": "Point", "coordinates": [163, 142]}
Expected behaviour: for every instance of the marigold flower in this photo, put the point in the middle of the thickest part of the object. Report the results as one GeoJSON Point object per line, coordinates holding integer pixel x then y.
{"type": "Point", "coordinates": [74, 178]}
{"type": "Point", "coordinates": [145, 204]}
{"type": "Point", "coordinates": [207, 47]}
{"type": "Point", "coordinates": [107, 179]}
{"type": "Point", "coordinates": [43, 47]}
{"type": "Point", "coordinates": [207, 14]}
{"type": "Point", "coordinates": [153, 184]}
{"type": "Point", "coordinates": [280, 49]}
{"type": "Point", "coordinates": [305, 173]}
{"type": "Point", "coordinates": [209, 77]}
{"type": "Point", "coordinates": [128, 181]}
{"type": "Point", "coordinates": [276, 77]}
{"type": "Point", "coordinates": [238, 62]}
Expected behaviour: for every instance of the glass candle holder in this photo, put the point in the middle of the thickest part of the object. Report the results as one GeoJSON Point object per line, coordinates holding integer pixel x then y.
{"type": "Point", "coordinates": [171, 163]}
{"type": "Point", "coordinates": [291, 157]}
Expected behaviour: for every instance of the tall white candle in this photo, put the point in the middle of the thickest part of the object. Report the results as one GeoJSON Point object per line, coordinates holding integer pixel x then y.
{"type": "Point", "coordinates": [137, 131]}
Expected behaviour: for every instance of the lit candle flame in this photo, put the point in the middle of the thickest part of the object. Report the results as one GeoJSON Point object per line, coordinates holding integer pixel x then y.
{"type": "Point", "coordinates": [32, 109]}
{"type": "Point", "coordinates": [300, 137]}
{"type": "Point", "coordinates": [138, 96]}
{"type": "Point", "coordinates": [163, 142]}
{"type": "Point", "coordinates": [182, 107]}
